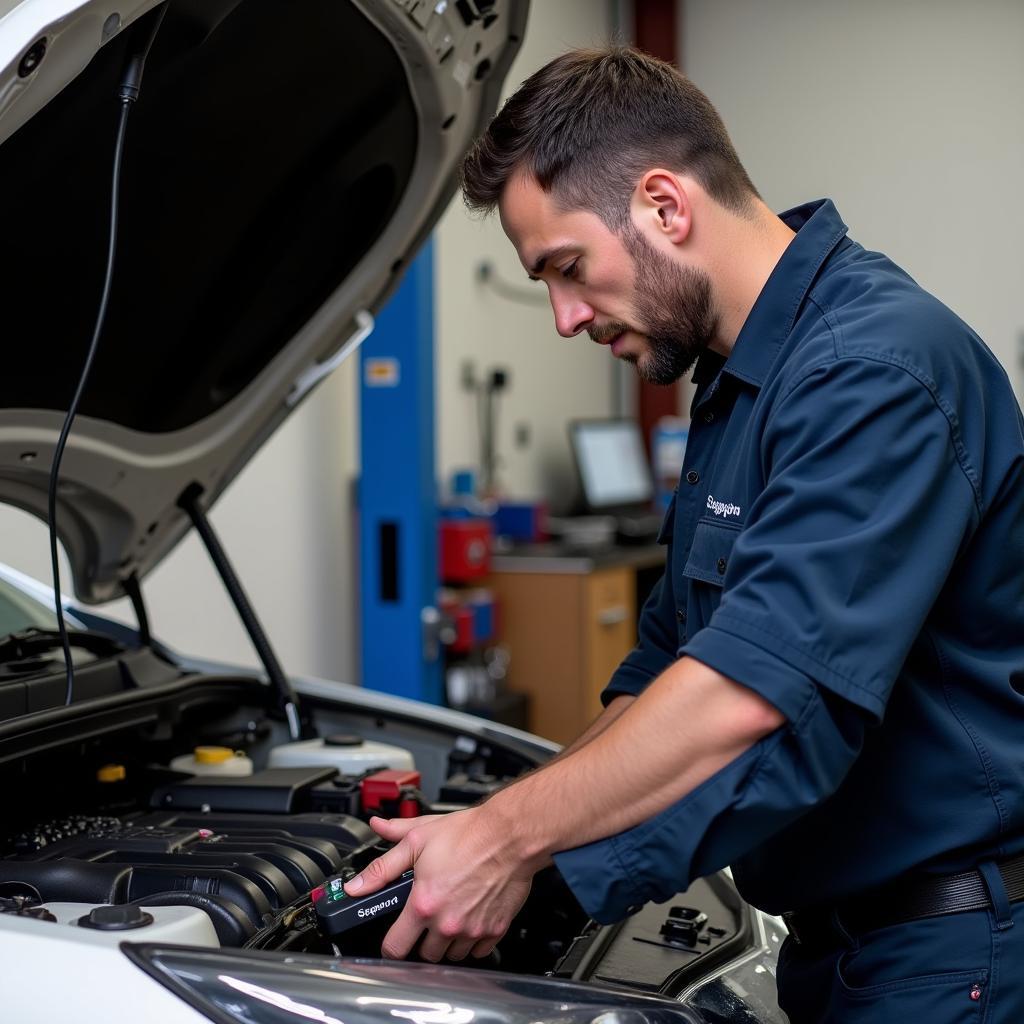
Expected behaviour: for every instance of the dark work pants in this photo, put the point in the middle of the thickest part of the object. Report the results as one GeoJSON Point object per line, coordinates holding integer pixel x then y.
{"type": "Point", "coordinates": [947, 970]}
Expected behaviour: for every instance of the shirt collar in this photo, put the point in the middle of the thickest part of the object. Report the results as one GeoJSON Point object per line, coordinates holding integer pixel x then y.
{"type": "Point", "coordinates": [819, 229]}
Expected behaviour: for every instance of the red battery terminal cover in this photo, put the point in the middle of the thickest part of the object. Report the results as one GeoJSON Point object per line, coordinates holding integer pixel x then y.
{"type": "Point", "coordinates": [410, 803]}
{"type": "Point", "coordinates": [387, 785]}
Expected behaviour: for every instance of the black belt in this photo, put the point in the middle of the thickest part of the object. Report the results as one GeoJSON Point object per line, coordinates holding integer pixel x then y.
{"type": "Point", "coordinates": [902, 902]}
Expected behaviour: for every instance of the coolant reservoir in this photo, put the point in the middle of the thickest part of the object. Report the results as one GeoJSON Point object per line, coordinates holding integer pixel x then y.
{"type": "Point", "coordinates": [351, 755]}
{"type": "Point", "coordinates": [111, 926]}
{"type": "Point", "coordinates": [213, 761]}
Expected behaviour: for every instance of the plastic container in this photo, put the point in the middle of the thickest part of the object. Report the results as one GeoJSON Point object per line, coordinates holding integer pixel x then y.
{"type": "Point", "coordinates": [465, 552]}
{"type": "Point", "coordinates": [186, 926]}
{"type": "Point", "coordinates": [213, 761]}
{"type": "Point", "coordinates": [351, 755]}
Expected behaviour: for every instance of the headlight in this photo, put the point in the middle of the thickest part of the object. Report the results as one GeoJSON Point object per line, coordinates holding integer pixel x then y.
{"type": "Point", "coordinates": [238, 987]}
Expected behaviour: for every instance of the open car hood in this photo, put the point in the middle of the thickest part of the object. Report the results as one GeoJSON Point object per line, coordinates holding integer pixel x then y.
{"type": "Point", "coordinates": [284, 162]}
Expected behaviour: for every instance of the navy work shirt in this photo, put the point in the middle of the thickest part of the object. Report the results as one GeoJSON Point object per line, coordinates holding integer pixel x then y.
{"type": "Point", "coordinates": [847, 540]}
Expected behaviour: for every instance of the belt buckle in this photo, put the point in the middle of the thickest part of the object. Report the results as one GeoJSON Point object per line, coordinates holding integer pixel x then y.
{"type": "Point", "coordinates": [789, 920]}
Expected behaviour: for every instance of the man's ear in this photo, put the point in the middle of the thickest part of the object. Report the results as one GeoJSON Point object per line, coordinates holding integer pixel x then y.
{"type": "Point", "coordinates": [661, 200]}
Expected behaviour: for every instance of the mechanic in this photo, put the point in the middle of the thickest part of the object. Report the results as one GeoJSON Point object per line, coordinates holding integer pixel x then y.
{"type": "Point", "coordinates": [823, 694]}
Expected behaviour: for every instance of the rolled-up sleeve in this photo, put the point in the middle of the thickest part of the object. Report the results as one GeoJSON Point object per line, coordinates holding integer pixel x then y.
{"type": "Point", "coordinates": [868, 499]}
{"type": "Point", "coordinates": [869, 496]}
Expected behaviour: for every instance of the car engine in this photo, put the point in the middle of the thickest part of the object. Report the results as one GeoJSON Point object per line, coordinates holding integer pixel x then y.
{"type": "Point", "coordinates": [248, 852]}
{"type": "Point", "coordinates": [233, 845]}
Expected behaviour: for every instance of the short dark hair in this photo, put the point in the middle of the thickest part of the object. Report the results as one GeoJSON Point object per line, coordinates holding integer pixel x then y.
{"type": "Point", "coordinates": [587, 126]}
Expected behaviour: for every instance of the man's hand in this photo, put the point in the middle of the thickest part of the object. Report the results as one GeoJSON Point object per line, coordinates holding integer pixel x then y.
{"type": "Point", "coordinates": [473, 868]}
{"type": "Point", "coordinates": [466, 887]}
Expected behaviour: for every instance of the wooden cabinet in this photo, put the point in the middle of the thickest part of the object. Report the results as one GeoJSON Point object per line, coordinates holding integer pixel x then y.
{"type": "Point", "coordinates": [567, 625]}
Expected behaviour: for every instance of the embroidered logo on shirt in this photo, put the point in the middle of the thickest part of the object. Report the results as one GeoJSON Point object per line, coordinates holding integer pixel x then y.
{"type": "Point", "coordinates": [722, 508]}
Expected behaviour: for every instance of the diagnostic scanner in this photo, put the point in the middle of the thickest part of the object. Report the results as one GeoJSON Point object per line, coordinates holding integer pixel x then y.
{"type": "Point", "coordinates": [337, 912]}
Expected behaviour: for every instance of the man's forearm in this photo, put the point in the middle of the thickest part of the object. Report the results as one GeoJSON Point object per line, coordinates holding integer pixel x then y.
{"type": "Point", "coordinates": [609, 713]}
{"type": "Point", "coordinates": [614, 708]}
{"type": "Point", "coordinates": [687, 725]}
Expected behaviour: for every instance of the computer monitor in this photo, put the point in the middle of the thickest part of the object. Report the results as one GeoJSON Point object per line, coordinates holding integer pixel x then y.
{"type": "Point", "coordinates": [612, 464]}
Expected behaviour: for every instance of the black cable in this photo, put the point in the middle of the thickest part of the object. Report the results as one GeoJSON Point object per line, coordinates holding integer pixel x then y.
{"type": "Point", "coordinates": [58, 454]}
{"type": "Point", "coordinates": [486, 393]}
{"type": "Point", "coordinates": [140, 43]}
{"type": "Point", "coordinates": [6, 901]}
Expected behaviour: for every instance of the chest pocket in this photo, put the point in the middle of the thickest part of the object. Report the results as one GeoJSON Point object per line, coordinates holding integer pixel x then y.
{"type": "Point", "coordinates": [708, 559]}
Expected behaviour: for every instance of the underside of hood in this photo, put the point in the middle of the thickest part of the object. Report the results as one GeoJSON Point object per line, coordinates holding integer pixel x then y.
{"type": "Point", "coordinates": [284, 161]}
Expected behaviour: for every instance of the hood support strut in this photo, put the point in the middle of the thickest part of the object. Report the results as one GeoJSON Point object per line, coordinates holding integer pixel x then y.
{"type": "Point", "coordinates": [134, 592]}
{"type": "Point", "coordinates": [189, 501]}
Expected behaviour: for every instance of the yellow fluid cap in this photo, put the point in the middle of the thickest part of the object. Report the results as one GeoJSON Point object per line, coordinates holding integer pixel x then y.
{"type": "Point", "coordinates": [213, 755]}
{"type": "Point", "coordinates": [111, 773]}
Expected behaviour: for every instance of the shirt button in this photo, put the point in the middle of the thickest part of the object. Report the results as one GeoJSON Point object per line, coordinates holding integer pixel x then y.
{"type": "Point", "coordinates": [722, 565]}
{"type": "Point", "coordinates": [692, 477]}
{"type": "Point", "coordinates": [680, 615]}
{"type": "Point", "coordinates": [709, 417]}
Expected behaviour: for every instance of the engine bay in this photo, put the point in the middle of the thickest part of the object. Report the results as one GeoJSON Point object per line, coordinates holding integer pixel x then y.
{"type": "Point", "coordinates": [249, 853]}
{"type": "Point", "coordinates": [108, 834]}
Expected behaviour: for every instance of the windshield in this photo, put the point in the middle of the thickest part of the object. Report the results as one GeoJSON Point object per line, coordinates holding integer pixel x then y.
{"type": "Point", "coordinates": [19, 612]}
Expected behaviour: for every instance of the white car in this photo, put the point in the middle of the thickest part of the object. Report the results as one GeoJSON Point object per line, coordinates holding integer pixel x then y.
{"type": "Point", "coordinates": [169, 839]}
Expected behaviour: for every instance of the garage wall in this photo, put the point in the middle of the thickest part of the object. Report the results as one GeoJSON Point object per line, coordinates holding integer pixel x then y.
{"type": "Point", "coordinates": [286, 525]}
{"type": "Point", "coordinates": [552, 379]}
{"type": "Point", "coordinates": [906, 114]}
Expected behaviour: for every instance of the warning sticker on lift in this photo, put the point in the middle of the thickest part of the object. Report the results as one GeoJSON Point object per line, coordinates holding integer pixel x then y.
{"type": "Point", "coordinates": [381, 373]}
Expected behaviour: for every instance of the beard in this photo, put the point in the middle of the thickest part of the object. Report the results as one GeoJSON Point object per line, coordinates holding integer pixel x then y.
{"type": "Point", "coordinates": [674, 305]}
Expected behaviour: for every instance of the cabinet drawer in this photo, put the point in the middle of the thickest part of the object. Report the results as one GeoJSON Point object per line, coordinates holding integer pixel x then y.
{"type": "Point", "coordinates": [540, 617]}
{"type": "Point", "coordinates": [566, 634]}
{"type": "Point", "coordinates": [609, 630]}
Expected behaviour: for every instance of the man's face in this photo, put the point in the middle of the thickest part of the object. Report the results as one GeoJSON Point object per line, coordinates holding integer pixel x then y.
{"type": "Point", "coordinates": [623, 291]}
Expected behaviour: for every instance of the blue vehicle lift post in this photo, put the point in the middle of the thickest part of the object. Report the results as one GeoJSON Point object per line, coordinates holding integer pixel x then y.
{"type": "Point", "coordinates": [397, 494]}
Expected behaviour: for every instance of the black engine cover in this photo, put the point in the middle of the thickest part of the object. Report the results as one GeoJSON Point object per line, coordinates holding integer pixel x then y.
{"type": "Point", "coordinates": [238, 867]}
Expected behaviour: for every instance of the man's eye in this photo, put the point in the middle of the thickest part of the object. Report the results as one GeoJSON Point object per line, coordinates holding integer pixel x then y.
{"type": "Point", "coordinates": [570, 270]}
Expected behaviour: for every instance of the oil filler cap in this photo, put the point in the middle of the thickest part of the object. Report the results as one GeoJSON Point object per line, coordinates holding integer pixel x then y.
{"type": "Point", "coordinates": [116, 919]}
{"type": "Point", "coordinates": [111, 773]}
{"type": "Point", "coordinates": [343, 740]}
{"type": "Point", "coordinates": [213, 755]}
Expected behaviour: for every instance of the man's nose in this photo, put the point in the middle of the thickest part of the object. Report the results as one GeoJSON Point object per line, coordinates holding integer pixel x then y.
{"type": "Point", "coordinates": [571, 315]}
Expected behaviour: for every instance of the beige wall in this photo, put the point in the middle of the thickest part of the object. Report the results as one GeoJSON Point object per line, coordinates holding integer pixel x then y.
{"type": "Point", "coordinates": [552, 380]}
{"type": "Point", "coordinates": [286, 525]}
{"type": "Point", "coordinates": [907, 113]}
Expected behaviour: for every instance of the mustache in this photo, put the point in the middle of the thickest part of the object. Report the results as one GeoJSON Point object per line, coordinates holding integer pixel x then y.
{"type": "Point", "coordinates": [608, 331]}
